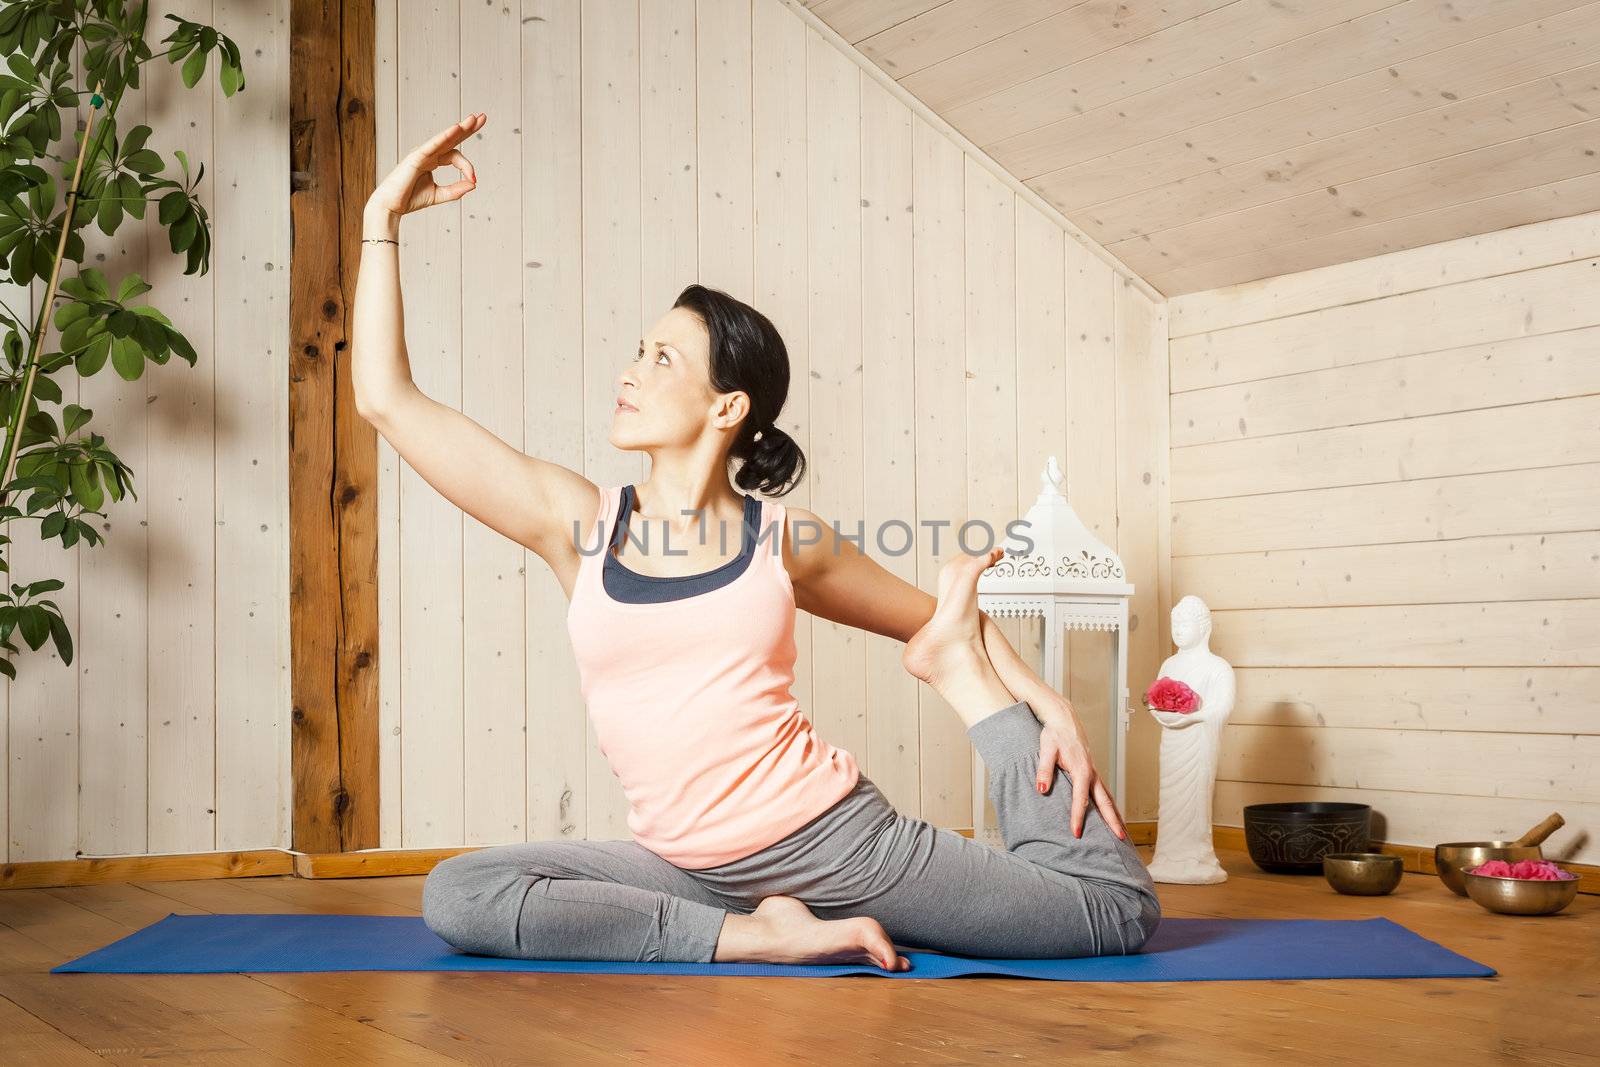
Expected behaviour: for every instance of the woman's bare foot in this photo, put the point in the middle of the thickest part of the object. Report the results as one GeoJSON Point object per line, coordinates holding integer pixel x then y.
{"type": "Point", "coordinates": [783, 930]}
{"type": "Point", "coordinates": [948, 651]}
{"type": "Point", "coordinates": [952, 633]}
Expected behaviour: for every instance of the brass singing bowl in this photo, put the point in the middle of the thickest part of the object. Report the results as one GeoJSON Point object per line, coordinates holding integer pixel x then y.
{"type": "Point", "coordinates": [1362, 874]}
{"type": "Point", "coordinates": [1448, 859]}
{"type": "Point", "coordinates": [1519, 896]}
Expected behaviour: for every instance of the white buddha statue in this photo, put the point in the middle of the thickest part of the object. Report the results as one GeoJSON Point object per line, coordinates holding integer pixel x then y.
{"type": "Point", "coordinates": [1189, 745]}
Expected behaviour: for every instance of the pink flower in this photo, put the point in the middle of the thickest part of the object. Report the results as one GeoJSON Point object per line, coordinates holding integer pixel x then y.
{"type": "Point", "coordinates": [1169, 694]}
{"type": "Point", "coordinates": [1536, 870]}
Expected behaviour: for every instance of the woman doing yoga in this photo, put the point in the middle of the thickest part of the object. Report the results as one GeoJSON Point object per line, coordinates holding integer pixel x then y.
{"type": "Point", "coordinates": [753, 838]}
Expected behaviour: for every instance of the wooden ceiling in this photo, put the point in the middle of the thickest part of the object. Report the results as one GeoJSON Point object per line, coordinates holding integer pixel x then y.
{"type": "Point", "coordinates": [1208, 142]}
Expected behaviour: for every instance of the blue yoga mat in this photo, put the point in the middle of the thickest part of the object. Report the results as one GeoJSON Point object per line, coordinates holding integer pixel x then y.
{"type": "Point", "coordinates": [1182, 950]}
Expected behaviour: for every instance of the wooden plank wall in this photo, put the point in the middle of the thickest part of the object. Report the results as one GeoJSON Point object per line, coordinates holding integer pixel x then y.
{"type": "Point", "coordinates": [169, 731]}
{"type": "Point", "coordinates": [1384, 484]}
{"type": "Point", "coordinates": [945, 336]}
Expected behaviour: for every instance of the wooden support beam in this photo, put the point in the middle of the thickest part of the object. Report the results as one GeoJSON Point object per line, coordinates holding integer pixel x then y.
{"type": "Point", "coordinates": [333, 453]}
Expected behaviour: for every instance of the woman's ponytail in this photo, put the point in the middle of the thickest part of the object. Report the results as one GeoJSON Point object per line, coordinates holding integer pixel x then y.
{"type": "Point", "coordinates": [772, 466]}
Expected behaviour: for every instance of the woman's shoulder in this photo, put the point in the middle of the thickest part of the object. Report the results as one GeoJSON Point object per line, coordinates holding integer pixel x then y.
{"type": "Point", "coordinates": [573, 506]}
{"type": "Point", "coordinates": [806, 537]}
{"type": "Point", "coordinates": [580, 503]}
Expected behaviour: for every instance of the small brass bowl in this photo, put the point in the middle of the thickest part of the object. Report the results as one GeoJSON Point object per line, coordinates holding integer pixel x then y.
{"type": "Point", "coordinates": [1362, 874]}
{"type": "Point", "coordinates": [1448, 859]}
{"type": "Point", "coordinates": [1519, 896]}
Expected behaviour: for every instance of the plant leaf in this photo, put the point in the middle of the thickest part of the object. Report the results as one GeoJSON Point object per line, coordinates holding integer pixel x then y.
{"type": "Point", "coordinates": [180, 344]}
{"type": "Point", "coordinates": [34, 622]}
{"type": "Point", "coordinates": [132, 286]}
{"type": "Point", "coordinates": [127, 358]}
{"type": "Point", "coordinates": [95, 282]}
{"type": "Point", "coordinates": [182, 234]}
{"type": "Point", "coordinates": [63, 638]}
{"type": "Point", "coordinates": [85, 485]}
{"type": "Point", "coordinates": [172, 208]}
{"type": "Point", "coordinates": [193, 67]}
{"type": "Point", "coordinates": [94, 355]}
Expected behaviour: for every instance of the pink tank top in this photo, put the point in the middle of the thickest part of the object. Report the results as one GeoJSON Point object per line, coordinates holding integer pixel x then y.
{"type": "Point", "coordinates": [691, 703]}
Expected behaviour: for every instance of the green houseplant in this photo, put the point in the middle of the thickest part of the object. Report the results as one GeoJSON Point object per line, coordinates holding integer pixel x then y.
{"type": "Point", "coordinates": [53, 467]}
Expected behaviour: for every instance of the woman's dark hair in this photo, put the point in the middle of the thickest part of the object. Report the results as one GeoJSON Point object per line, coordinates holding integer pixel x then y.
{"type": "Point", "coordinates": [747, 354]}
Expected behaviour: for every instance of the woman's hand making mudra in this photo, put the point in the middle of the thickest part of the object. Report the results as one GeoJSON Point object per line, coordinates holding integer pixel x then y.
{"type": "Point", "coordinates": [410, 186]}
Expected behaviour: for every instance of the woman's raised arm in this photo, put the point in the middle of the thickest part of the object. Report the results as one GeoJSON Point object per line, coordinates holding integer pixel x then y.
{"type": "Point", "coordinates": [532, 501]}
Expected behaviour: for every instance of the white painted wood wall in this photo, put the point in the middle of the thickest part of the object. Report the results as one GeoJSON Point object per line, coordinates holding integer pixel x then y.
{"type": "Point", "coordinates": [1386, 484]}
{"type": "Point", "coordinates": [169, 731]}
{"type": "Point", "coordinates": [945, 336]}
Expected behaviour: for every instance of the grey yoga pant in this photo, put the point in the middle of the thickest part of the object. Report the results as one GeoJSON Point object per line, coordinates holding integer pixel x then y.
{"type": "Point", "coordinates": [1048, 894]}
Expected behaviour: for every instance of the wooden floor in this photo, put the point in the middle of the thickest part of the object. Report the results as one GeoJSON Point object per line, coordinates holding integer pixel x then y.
{"type": "Point", "coordinates": [1543, 1007]}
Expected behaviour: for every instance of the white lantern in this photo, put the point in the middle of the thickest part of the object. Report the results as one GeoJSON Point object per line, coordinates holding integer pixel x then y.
{"type": "Point", "coordinates": [1056, 570]}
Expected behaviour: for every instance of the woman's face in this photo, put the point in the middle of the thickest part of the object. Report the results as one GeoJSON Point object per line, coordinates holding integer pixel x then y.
{"type": "Point", "coordinates": [664, 395]}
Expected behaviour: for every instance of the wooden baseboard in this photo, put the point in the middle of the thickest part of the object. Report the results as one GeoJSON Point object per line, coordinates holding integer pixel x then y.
{"type": "Point", "coordinates": [255, 863]}
{"type": "Point", "coordinates": [49, 874]}
{"type": "Point", "coordinates": [377, 863]}
{"type": "Point", "coordinates": [387, 863]}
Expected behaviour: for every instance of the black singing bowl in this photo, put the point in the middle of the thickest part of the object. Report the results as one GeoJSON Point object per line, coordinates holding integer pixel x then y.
{"type": "Point", "coordinates": [1292, 838]}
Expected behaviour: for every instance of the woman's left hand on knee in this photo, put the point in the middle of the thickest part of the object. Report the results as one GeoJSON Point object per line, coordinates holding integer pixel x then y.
{"type": "Point", "coordinates": [1063, 744]}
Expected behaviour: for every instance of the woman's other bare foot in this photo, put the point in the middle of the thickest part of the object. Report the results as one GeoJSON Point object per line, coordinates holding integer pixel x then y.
{"type": "Point", "coordinates": [948, 651]}
{"type": "Point", "coordinates": [953, 631]}
{"type": "Point", "coordinates": [783, 930]}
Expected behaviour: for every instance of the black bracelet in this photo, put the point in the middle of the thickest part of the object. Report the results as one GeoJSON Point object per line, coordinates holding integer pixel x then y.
{"type": "Point", "coordinates": [379, 240]}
